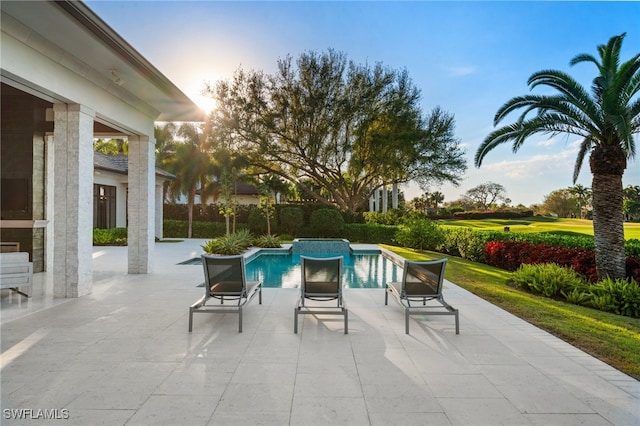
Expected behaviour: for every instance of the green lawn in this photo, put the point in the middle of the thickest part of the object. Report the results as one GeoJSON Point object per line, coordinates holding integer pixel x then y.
{"type": "Point", "coordinates": [614, 339]}
{"type": "Point", "coordinates": [542, 224]}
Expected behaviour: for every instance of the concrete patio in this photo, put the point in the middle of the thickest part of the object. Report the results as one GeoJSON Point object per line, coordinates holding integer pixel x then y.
{"type": "Point", "coordinates": [122, 356]}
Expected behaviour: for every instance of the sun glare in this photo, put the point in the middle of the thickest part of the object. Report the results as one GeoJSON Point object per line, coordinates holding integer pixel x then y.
{"type": "Point", "coordinates": [205, 102]}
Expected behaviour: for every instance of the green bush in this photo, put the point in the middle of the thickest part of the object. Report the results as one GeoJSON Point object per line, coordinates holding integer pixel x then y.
{"type": "Point", "coordinates": [391, 217]}
{"type": "Point", "coordinates": [326, 223]}
{"type": "Point", "coordinates": [466, 242]}
{"type": "Point", "coordinates": [548, 279]}
{"type": "Point", "coordinates": [258, 222]}
{"type": "Point", "coordinates": [178, 229]}
{"type": "Point", "coordinates": [632, 247]}
{"type": "Point", "coordinates": [421, 234]}
{"type": "Point", "coordinates": [370, 233]}
{"type": "Point", "coordinates": [618, 296]}
{"type": "Point", "coordinates": [110, 237]}
{"type": "Point", "coordinates": [291, 220]}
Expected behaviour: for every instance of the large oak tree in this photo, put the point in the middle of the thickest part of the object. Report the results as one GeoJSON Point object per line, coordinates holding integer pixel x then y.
{"type": "Point", "coordinates": [336, 129]}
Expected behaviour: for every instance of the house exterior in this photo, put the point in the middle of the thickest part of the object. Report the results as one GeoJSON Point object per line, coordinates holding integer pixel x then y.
{"type": "Point", "coordinates": [110, 187]}
{"type": "Point", "coordinates": [67, 78]}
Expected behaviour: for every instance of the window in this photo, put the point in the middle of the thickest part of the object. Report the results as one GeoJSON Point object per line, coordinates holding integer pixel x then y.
{"type": "Point", "coordinates": [104, 206]}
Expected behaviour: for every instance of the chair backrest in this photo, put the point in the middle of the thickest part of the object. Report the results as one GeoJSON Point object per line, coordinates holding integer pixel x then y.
{"type": "Point", "coordinates": [423, 278]}
{"type": "Point", "coordinates": [321, 277]}
{"type": "Point", "coordinates": [224, 274]}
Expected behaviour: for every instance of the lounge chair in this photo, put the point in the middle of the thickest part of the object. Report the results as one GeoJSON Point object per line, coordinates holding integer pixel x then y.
{"type": "Point", "coordinates": [421, 282]}
{"type": "Point", "coordinates": [225, 280]}
{"type": "Point", "coordinates": [321, 282]}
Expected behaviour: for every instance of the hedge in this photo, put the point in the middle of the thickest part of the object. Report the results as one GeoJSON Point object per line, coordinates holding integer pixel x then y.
{"type": "Point", "coordinates": [509, 255]}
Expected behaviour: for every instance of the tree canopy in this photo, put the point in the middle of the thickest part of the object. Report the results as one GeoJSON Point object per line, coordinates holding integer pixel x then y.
{"type": "Point", "coordinates": [336, 129]}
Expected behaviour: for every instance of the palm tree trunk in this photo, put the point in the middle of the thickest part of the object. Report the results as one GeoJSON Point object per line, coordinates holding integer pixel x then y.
{"type": "Point", "coordinates": [608, 225]}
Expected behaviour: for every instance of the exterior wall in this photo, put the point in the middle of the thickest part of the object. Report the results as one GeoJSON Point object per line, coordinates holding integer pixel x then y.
{"type": "Point", "coordinates": [118, 180]}
{"type": "Point", "coordinates": [73, 61]}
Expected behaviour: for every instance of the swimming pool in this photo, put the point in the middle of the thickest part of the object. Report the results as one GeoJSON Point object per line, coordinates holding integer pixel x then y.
{"type": "Point", "coordinates": [359, 270]}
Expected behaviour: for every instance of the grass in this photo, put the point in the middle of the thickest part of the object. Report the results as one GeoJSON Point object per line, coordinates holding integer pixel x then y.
{"type": "Point", "coordinates": [542, 224]}
{"type": "Point", "coordinates": [614, 339]}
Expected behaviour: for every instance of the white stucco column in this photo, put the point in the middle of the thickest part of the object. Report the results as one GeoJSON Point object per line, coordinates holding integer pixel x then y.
{"type": "Point", "coordinates": [372, 203]}
{"type": "Point", "coordinates": [159, 212]}
{"type": "Point", "coordinates": [49, 202]}
{"type": "Point", "coordinates": [142, 182]}
{"type": "Point", "coordinates": [385, 199]}
{"type": "Point", "coordinates": [73, 200]}
{"type": "Point", "coordinates": [394, 196]}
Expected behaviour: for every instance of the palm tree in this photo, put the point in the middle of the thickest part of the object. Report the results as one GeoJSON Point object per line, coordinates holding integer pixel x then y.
{"type": "Point", "coordinates": [436, 198]}
{"type": "Point", "coordinates": [582, 194]}
{"type": "Point", "coordinates": [191, 164]}
{"type": "Point", "coordinates": [605, 119]}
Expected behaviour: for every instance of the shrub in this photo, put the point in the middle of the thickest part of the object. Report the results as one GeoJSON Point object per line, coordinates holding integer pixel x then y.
{"type": "Point", "coordinates": [291, 219]}
{"type": "Point", "coordinates": [231, 244]}
{"type": "Point", "coordinates": [466, 242]}
{"type": "Point", "coordinates": [632, 247]}
{"type": "Point", "coordinates": [258, 222]}
{"type": "Point", "coordinates": [620, 297]}
{"type": "Point", "coordinates": [178, 229]}
{"type": "Point", "coordinates": [420, 234]}
{"type": "Point", "coordinates": [370, 233]}
{"type": "Point", "coordinates": [110, 237]}
{"type": "Point", "coordinates": [326, 223]}
{"type": "Point", "coordinates": [510, 255]}
{"type": "Point", "coordinates": [391, 217]}
{"type": "Point", "coordinates": [267, 241]}
{"type": "Point", "coordinates": [548, 279]}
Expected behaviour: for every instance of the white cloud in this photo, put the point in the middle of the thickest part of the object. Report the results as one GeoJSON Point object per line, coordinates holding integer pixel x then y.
{"type": "Point", "coordinates": [535, 166]}
{"type": "Point", "coordinates": [462, 71]}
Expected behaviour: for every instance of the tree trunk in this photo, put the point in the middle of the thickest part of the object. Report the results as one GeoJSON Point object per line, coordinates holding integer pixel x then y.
{"type": "Point", "coordinates": [607, 165]}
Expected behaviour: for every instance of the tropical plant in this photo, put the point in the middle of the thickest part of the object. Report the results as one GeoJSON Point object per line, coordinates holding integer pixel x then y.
{"type": "Point", "coordinates": [191, 164]}
{"type": "Point", "coordinates": [230, 244]}
{"type": "Point", "coordinates": [583, 196]}
{"type": "Point", "coordinates": [605, 119]}
{"type": "Point", "coordinates": [436, 198]}
{"type": "Point", "coordinates": [267, 241]}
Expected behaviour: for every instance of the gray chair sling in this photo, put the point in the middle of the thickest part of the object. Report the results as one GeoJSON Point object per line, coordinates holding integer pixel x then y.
{"type": "Point", "coordinates": [321, 282]}
{"type": "Point", "coordinates": [225, 280]}
{"type": "Point", "coordinates": [421, 282]}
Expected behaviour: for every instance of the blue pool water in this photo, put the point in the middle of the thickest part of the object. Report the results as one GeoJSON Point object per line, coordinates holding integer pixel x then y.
{"type": "Point", "coordinates": [358, 270]}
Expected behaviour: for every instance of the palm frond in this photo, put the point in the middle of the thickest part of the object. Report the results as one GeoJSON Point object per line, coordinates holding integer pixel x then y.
{"type": "Point", "coordinates": [585, 146]}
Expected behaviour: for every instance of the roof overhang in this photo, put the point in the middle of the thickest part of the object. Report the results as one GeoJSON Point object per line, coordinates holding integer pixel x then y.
{"type": "Point", "coordinates": [91, 48]}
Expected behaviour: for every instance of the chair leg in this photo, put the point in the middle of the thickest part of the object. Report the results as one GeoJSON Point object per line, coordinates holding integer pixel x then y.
{"type": "Point", "coordinates": [295, 320]}
{"type": "Point", "coordinates": [190, 319]}
{"type": "Point", "coordinates": [406, 320]}
{"type": "Point", "coordinates": [240, 320]}
{"type": "Point", "coordinates": [457, 323]}
{"type": "Point", "coordinates": [386, 294]}
{"type": "Point", "coordinates": [346, 321]}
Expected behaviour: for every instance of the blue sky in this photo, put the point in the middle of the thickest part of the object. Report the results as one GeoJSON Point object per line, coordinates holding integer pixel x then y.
{"type": "Point", "coordinates": [469, 58]}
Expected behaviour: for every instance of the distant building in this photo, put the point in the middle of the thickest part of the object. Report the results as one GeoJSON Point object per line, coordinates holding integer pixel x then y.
{"type": "Point", "coordinates": [110, 187]}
